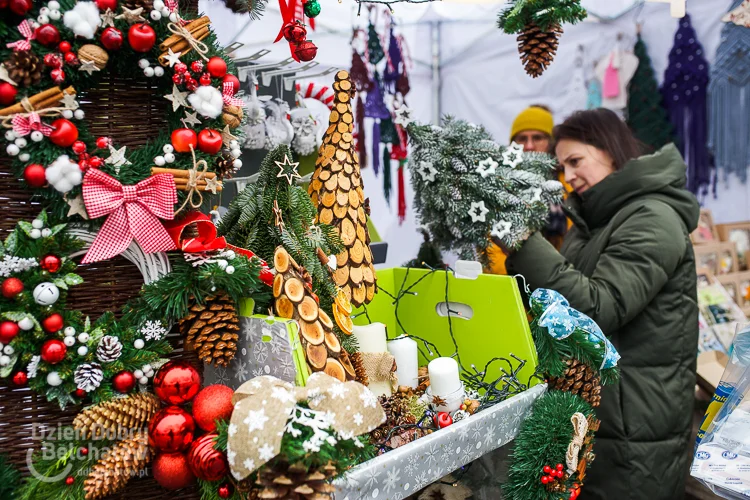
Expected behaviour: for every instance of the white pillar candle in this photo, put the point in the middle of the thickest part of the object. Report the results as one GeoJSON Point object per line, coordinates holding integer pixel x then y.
{"type": "Point", "coordinates": [381, 388]}
{"type": "Point", "coordinates": [404, 350]}
{"type": "Point", "coordinates": [444, 379]}
{"type": "Point", "coordinates": [371, 338]}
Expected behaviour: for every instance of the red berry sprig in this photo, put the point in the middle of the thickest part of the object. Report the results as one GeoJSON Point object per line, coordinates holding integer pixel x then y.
{"type": "Point", "coordinates": [551, 475]}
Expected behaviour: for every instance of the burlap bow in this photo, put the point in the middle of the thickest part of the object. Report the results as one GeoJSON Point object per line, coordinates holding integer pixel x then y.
{"type": "Point", "coordinates": [263, 405]}
{"type": "Point", "coordinates": [580, 428]}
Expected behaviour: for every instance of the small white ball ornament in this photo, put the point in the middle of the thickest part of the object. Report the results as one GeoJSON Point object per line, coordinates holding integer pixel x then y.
{"type": "Point", "coordinates": [237, 164]}
{"type": "Point", "coordinates": [143, 380]}
{"type": "Point", "coordinates": [138, 373]}
{"type": "Point", "coordinates": [53, 5]}
{"type": "Point", "coordinates": [158, 71]}
{"type": "Point", "coordinates": [233, 144]}
{"type": "Point", "coordinates": [156, 15]}
{"type": "Point", "coordinates": [10, 135]}
{"type": "Point", "coordinates": [173, 17]}
{"type": "Point", "coordinates": [79, 114]}
{"type": "Point", "coordinates": [12, 150]}
{"type": "Point", "coordinates": [4, 360]}
{"type": "Point", "coordinates": [230, 269]}
{"type": "Point", "coordinates": [83, 350]}
{"type": "Point", "coordinates": [44, 11]}
{"type": "Point", "coordinates": [42, 18]}
{"type": "Point", "coordinates": [168, 148]}
{"type": "Point", "coordinates": [37, 223]}
{"type": "Point", "coordinates": [35, 234]}
{"type": "Point", "coordinates": [24, 157]}
{"type": "Point", "coordinates": [146, 368]}
{"type": "Point", "coordinates": [46, 232]}
{"type": "Point", "coordinates": [230, 254]}
{"type": "Point", "coordinates": [69, 341]}
{"type": "Point", "coordinates": [55, 15]}
{"type": "Point", "coordinates": [236, 153]}
{"type": "Point", "coordinates": [169, 157]}
{"type": "Point", "coordinates": [222, 264]}
{"type": "Point", "coordinates": [26, 324]}
{"type": "Point", "coordinates": [37, 136]}
{"type": "Point", "coordinates": [21, 142]}
{"type": "Point", "coordinates": [149, 72]}
{"type": "Point", "coordinates": [164, 12]}
{"type": "Point", "coordinates": [46, 294]}
{"type": "Point", "coordinates": [83, 337]}
{"type": "Point", "coordinates": [67, 114]}
{"type": "Point", "coordinates": [8, 349]}
{"type": "Point", "coordinates": [139, 344]}
{"type": "Point", "coordinates": [160, 161]}
{"type": "Point", "coordinates": [158, 4]}
{"type": "Point", "coordinates": [53, 379]}
{"type": "Point", "coordinates": [69, 331]}
{"type": "Point", "coordinates": [143, 63]}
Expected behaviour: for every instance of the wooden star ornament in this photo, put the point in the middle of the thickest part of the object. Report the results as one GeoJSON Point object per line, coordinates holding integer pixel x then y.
{"type": "Point", "coordinates": [288, 169]}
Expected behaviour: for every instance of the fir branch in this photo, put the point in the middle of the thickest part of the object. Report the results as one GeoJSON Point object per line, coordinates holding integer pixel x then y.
{"type": "Point", "coordinates": [10, 479]}
{"type": "Point", "coordinates": [210, 490]}
{"type": "Point", "coordinates": [544, 13]}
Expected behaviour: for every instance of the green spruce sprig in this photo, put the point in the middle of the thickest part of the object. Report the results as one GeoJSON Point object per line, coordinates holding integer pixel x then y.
{"type": "Point", "coordinates": [543, 13]}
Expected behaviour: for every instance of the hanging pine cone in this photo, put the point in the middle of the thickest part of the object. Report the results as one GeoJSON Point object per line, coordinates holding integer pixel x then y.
{"type": "Point", "coordinates": [538, 48]}
{"type": "Point", "coordinates": [295, 482]}
{"type": "Point", "coordinates": [148, 5]}
{"type": "Point", "coordinates": [211, 329]}
{"type": "Point", "coordinates": [579, 379]}
{"type": "Point", "coordinates": [122, 462]}
{"type": "Point", "coordinates": [106, 418]}
{"type": "Point", "coordinates": [225, 167]}
{"type": "Point", "coordinates": [88, 376]}
{"type": "Point", "coordinates": [25, 68]}
{"type": "Point", "coordinates": [109, 349]}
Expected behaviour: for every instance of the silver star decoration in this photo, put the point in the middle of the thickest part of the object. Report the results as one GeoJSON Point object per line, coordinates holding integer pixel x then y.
{"type": "Point", "coordinates": [69, 101]}
{"type": "Point", "coordinates": [131, 16]}
{"type": "Point", "coordinates": [227, 137]}
{"type": "Point", "coordinates": [191, 119]}
{"type": "Point", "coordinates": [501, 229]}
{"type": "Point", "coordinates": [88, 66]}
{"type": "Point", "coordinates": [77, 207]}
{"type": "Point", "coordinates": [487, 167]}
{"type": "Point", "coordinates": [403, 116]}
{"type": "Point", "coordinates": [478, 211]}
{"type": "Point", "coordinates": [177, 98]}
{"type": "Point", "coordinates": [513, 155]}
{"type": "Point", "coordinates": [117, 158]}
{"type": "Point", "coordinates": [108, 18]}
{"type": "Point", "coordinates": [288, 169]}
{"type": "Point", "coordinates": [537, 194]}
{"type": "Point", "coordinates": [212, 184]}
{"type": "Point", "coordinates": [427, 171]}
{"type": "Point", "coordinates": [172, 58]}
{"type": "Point", "coordinates": [4, 76]}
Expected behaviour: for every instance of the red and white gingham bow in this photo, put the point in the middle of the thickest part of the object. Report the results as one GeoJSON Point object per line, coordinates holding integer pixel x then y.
{"type": "Point", "coordinates": [28, 33]}
{"type": "Point", "coordinates": [25, 124]}
{"type": "Point", "coordinates": [134, 213]}
{"type": "Point", "coordinates": [228, 96]}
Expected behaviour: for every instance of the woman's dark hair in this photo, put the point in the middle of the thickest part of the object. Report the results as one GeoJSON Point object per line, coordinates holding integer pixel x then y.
{"type": "Point", "coordinates": [604, 130]}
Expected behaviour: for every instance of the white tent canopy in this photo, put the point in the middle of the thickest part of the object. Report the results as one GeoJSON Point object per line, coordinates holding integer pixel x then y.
{"type": "Point", "coordinates": [463, 65]}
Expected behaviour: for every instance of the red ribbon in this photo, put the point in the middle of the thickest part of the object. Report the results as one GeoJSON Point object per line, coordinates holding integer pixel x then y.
{"type": "Point", "coordinates": [134, 213]}
{"type": "Point", "coordinates": [24, 125]}
{"type": "Point", "coordinates": [28, 33]}
{"type": "Point", "coordinates": [227, 95]}
{"type": "Point", "coordinates": [207, 240]}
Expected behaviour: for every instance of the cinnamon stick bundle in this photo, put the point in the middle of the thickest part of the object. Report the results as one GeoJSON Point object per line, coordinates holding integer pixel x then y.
{"type": "Point", "coordinates": [178, 173]}
{"type": "Point", "coordinates": [201, 186]}
{"type": "Point", "coordinates": [49, 98]}
{"type": "Point", "coordinates": [193, 26]}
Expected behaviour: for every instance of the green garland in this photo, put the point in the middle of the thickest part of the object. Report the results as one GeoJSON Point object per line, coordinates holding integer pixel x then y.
{"type": "Point", "coordinates": [544, 13]}
{"type": "Point", "coordinates": [9, 479]}
{"type": "Point", "coordinates": [543, 440]}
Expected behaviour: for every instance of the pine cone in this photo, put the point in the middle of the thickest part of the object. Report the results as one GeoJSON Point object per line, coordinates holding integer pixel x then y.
{"type": "Point", "coordinates": [538, 48]}
{"type": "Point", "coordinates": [88, 376]}
{"type": "Point", "coordinates": [225, 167]}
{"type": "Point", "coordinates": [109, 349]}
{"type": "Point", "coordinates": [579, 379]}
{"type": "Point", "coordinates": [25, 68]}
{"type": "Point", "coordinates": [148, 5]}
{"type": "Point", "coordinates": [122, 462]}
{"type": "Point", "coordinates": [295, 482]}
{"type": "Point", "coordinates": [359, 368]}
{"type": "Point", "coordinates": [128, 413]}
{"type": "Point", "coordinates": [211, 329]}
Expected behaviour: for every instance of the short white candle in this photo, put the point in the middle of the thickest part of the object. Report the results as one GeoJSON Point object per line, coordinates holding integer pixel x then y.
{"type": "Point", "coordinates": [444, 379]}
{"type": "Point", "coordinates": [404, 350]}
{"type": "Point", "coordinates": [371, 338]}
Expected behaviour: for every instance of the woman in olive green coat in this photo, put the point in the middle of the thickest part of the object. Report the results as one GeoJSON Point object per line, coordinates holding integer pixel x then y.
{"type": "Point", "coordinates": [628, 263]}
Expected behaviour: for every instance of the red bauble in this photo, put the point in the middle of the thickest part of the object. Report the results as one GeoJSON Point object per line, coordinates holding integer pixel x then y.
{"type": "Point", "coordinates": [141, 37]}
{"type": "Point", "coordinates": [559, 467]}
{"type": "Point", "coordinates": [20, 379]}
{"type": "Point", "coordinates": [70, 480]}
{"type": "Point", "coordinates": [112, 38]}
{"type": "Point", "coordinates": [65, 133]}
{"type": "Point", "coordinates": [53, 323]}
{"type": "Point", "coordinates": [294, 32]}
{"type": "Point", "coordinates": [64, 47]}
{"type": "Point", "coordinates": [95, 162]}
{"type": "Point", "coordinates": [217, 67]}
{"type": "Point", "coordinates": [191, 84]}
{"type": "Point", "coordinates": [206, 462]}
{"type": "Point", "coordinates": [177, 382]}
{"type": "Point", "coordinates": [80, 393]}
{"type": "Point", "coordinates": [306, 51]}
{"type": "Point", "coordinates": [12, 287]}
{"type": "Point", "coordinates": [54, 351]}
{"type": "Point", "coordinates": [84, 451]}
{"type": "Point", "coordinates": [443, 419]}
{"type": "Point", "coordinates": [79, 147]}
{"type": "Point", "coordinates": [8, 331]}
{"type": "Point", "coordinates": [180, 68]}
{"type": "Point", "coordinates": [123, 382]}
{"type": "Point", "coordinates": [20, 7]}
{"type": "Point", "coordinates": [106, 4]}
{"type": "Point", "coordinates": [35, 175]}
{"type": "Point", "coordinates": [224, 491]}
{"type": "Point", "coordinates": [57, 75]}
{"type": "Point", "coordinates": [178, 79]}
{"type": "Point", "coordinates": [103, 142]}
{"type": "Point", "coordinates": [183, 138]}
{"type": "Point", "coordinates": [50, 263]}
{"type": "Point", "coordinates": [171, 430]}
{"type": "Point", "coordinates": [172, 472]}
{"type": "Point", "coordinates": [71, 59]}
{"type": "Point", "coordinates": [544, 480]}
{"type": "Point", "coordinates": [209, 141]}
{"type": "Point", "coordinates": [48, 35]}
{"type": "Point", "coordinates": [7, 94]}
{"type": "Point", "coordinates": [233, 80]}
{"type": "Point", "coordinates": [53, 60]}
{"type": "Point", "coordinates": [211, 404]}
{"type": "Point", "coordinates": [205, 79]}
{"type": "Point", "coordinates": [196, 66]}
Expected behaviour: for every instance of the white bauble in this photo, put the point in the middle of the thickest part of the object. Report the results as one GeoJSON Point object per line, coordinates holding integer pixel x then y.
{"type": "Point", "coordinates": [53, 5]}
{"type": "Point", "coordinates": [173, 17]}
{"type": "Point", "coordinates": [160, 161]}
{"type": "Point", "coordinates": [26, 324]}
{"type": "Point", "coordinates": [24, 157]}
{"type": "Point", "coordinates": [79, 114]}
{"type": "Point", "coordinates": [158, 71]}
{"type": "Point", "coordinates": [37, 136]}
{"type": "Point", "coordinates": [55, 15]}
{"type": "Point", "coordinates": [4, 360]}
{"type": "Point", "coordinates": [46, 232]}
{"type": "Point", "coordinates": [237, 164]}
{"type": "Point", "coordinates": [53, 379]}
{"type": "Point", "coordinates": [156, 15]}
{"type": "Point", "coordinates": [236, 153]}
{"type": "Point", "coordinates": [35, 234]}
{"type": "Point", "coordinates": [149, 72]}
{"type": "Point", "coordinates": [158, 4]}
{"type": "Point", "coordinates": [37, 223]}
{"type": "Point", "coordinates": [138, 373]}
{"type": "Point", "coordinates": [42, 18]}
{"type": "Point", "coordinates": [168, 148]}
{"type": "Point", "coordinates": [83, 337]}
{"type": "Point", "coordinates": [139, 344]}
{"type": "Point", "coordinates": [143, 380]}
{"type": "Point", "coordinates": [12, 150]}
{"type": "Point", "coordinates": [169, 157]}
{"type": "Point", "coordinates": [10, 135]}
{"type": "Point", "coordinates": [69, 331]}
{"type": "Point", "coordinates": [46, 294]}
{"type": "Point", "coordinates": [8, 349]}
{"type": "Point", "coordinates": [143, 63]}
{"type": "Point", "coordinates": [21, 142]}
{"type": "Point", "coordinates": [230, 269]}
{"type": "Point", "coordinates": [83, 350]}
{"type": "Point", "coordinates": [69, 341]}
{"type": "Point", "coordinates": [67, 114]}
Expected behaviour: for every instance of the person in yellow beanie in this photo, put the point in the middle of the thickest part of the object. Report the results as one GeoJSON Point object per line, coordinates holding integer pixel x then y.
{"type": "Point", "coordinates": [532, 129]}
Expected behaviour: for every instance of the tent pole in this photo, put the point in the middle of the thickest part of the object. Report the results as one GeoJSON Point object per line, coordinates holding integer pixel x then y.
{"type": "Point", "coordinates": [436, 84]}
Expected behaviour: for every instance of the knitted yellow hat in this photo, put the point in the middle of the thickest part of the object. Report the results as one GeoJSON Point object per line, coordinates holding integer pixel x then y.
{"type": "Point", "coordinates": [533, 118]}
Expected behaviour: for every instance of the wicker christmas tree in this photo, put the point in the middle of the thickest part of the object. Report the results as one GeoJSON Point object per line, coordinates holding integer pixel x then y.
{"type": "Point", "coordinates": [647, 117]}
{"type": "Point", "coordinates": [337, 191]}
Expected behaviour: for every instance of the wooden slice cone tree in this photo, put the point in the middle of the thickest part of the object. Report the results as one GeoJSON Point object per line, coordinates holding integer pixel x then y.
{"type": "Point", "coordinates": [294, 300]}
{"type": "Point", "coordinates": [336, 189]}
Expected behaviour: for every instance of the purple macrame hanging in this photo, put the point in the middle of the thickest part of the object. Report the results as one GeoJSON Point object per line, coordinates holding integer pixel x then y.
{"type": "Point", "coordinates": [374, 104]}
{"type": "Point", "coordinates": [393, 67]}
{"type": "Point", "coordinates": [684, 91]}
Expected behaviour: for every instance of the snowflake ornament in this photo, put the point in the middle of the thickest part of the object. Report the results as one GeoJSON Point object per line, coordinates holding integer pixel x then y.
{"type": "Point", "coordinates": [486, 167]}
{"type": "Point", "coordinates": [427, 171]}
{"type": "Point", "coordinates": [513, 155]}
{"type": "Point", "coordinates": [501, 229]}
{"type": "Point", "coordinates": [403, 116]}
{"type": "Point", "coordinates": [11, 264]}
{"type": "Point", "coordinates": [33, 366]}
{"type": "Point", "coordinates": [153, 330]}
{"type": "Point", "coordinates": [478, 211]}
